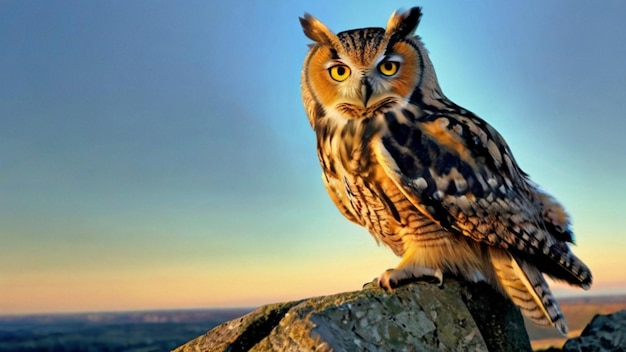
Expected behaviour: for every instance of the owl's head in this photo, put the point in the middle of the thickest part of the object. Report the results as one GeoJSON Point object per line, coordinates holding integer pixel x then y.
{"type": "Point", "coordinates": [360, 72]}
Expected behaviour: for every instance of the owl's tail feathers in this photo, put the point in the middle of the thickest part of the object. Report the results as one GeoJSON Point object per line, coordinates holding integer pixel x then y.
{"type": "Point", "coordinates": [527, 288]}
{"type": "Point", "coordinates": [561, 264]}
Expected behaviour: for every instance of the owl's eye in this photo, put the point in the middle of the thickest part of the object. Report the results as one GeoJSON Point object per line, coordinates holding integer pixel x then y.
{"type": "Point", "coordinates": [388, 68]}
{"type": "Point", "coordinates": [339, 72]}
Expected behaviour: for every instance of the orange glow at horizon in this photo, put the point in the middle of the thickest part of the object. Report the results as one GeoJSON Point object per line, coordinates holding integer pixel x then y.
{"type": "Point", "coordinates": [195, 286]}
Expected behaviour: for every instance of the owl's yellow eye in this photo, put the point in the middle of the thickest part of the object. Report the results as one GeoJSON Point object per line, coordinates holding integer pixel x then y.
{"type": "Point", "coordinates": [339, 72]}
{"type": "Point", "coordinates": [388, 68]}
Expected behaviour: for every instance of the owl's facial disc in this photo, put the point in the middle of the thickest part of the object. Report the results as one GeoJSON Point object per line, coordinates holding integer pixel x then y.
{"type": "Point", "coordinates": [364, 90]}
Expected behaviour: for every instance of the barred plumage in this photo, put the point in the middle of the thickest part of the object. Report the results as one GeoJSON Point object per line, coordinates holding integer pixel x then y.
{"type": "Point", "coordinates": [426, 177]}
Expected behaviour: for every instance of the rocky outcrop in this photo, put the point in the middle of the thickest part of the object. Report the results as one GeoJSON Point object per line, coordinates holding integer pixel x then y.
{"type": "Point", "coordinates": [417, 317]}
{"type": "Point", "coordinates": [604, 333]}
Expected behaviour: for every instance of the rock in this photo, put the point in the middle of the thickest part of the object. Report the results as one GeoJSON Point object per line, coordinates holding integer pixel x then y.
{"type": "Point", "coordinates": [603, 333]}
{"type": "Point", "coordinates": [417, 317]}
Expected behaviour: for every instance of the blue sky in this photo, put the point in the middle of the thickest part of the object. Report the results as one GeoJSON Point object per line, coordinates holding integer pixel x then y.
{"type": "Point", "coordinates": [156, 154]}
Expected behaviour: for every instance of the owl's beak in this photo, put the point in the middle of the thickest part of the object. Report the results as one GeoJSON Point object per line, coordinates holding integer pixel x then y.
{"type": "Point", "coordinates": [366, 91]}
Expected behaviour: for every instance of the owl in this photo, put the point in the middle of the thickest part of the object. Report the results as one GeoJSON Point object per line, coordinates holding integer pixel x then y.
{"type": "Point", "coordinates": [429, 179]}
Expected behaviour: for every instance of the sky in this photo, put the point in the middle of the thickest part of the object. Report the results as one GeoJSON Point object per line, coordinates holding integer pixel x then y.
{"type": "Point", "coordinates": [156, 154]}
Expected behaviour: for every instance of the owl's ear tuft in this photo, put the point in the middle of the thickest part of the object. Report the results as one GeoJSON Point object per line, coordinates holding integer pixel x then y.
{"type": "Point", "coordinates": [316, 30]}
{"type": "Point", "coordinates": [404, 24]}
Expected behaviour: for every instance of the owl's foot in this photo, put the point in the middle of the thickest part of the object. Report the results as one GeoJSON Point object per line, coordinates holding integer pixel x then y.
{"type": "Point", "coordinates": [393, 278]}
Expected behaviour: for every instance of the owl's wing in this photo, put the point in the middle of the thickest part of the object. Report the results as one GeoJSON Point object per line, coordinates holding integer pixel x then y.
{"type": "Point", "coordinates": [458, 170]}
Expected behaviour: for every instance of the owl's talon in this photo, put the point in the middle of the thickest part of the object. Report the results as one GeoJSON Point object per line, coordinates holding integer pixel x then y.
{"type": "Point", "coordinates": [438, 278]}
{"type": "Point", "coordinates": [373, 283]}
{"type": "Point", "coordinates": [385, 281]}
{"type": "Point", "coordinates": [394, 278]}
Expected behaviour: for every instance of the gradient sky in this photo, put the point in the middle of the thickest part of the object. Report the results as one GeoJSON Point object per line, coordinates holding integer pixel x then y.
{"type": "Point", "coordinates": [155, 154]}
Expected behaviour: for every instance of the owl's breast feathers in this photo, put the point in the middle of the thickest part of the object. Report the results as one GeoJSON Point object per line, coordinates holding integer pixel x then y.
{"type": "Point", "coordinates": [453, 169]}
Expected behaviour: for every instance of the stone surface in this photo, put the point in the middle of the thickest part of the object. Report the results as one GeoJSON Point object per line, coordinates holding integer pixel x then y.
{"type": "Point", "coordinates": [416, 317]}
{"type": "Point", "coordinates": [603, 333]}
